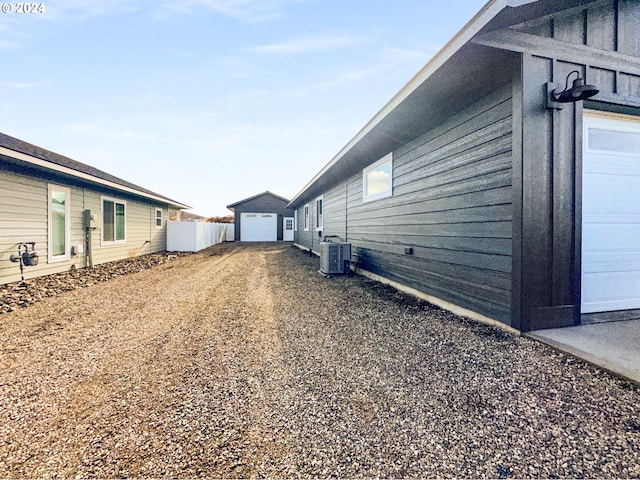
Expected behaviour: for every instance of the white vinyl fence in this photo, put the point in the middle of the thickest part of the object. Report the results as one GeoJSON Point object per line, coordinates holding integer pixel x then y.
{"type": "Point", "coordinates": [195, 236]}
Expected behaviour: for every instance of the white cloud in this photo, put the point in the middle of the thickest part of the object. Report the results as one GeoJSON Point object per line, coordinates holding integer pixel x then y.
{"type": "Point", "coordinates": [5, 44]}
{"type": "Point", "coordinates": [314, 43]}
{"type": "Point", "coordinates": [250, 11]}
{"type": "Point", "coordinates": [58, 10]}
{"type": "Point", "coordinates": [404, 54]}
{"type": "Point", "coordinates": [23, 85]}
{"type": "Point", "coordinates": [338, 80]}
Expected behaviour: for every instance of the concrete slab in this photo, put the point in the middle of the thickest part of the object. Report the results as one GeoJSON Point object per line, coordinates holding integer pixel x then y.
{"type": "Point", "coordinates": [613, 346]}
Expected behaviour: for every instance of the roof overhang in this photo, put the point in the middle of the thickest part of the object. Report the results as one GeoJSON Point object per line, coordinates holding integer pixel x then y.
{"type": "Point", "coordinates": [235, 204]}
{"type": "Point", "coordinates": [389, 121]}
{"type": "Point", "coordinates": [44, 164]}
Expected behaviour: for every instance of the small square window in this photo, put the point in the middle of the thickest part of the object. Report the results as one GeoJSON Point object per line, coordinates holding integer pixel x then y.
{"type": "Point", "coordinates": [377, 181]}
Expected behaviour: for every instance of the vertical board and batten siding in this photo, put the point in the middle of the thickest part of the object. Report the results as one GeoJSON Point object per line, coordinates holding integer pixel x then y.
{"type": "Point", "coordinates": [452, 203]}
{"type": "Point", "coordinates": [550, 151]}
{"type": "Point", "coordinates": [24, 209]}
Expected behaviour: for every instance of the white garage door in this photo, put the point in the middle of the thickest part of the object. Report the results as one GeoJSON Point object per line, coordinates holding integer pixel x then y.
{"type": "Point", "coordinates": [258, 227]}
{"type": "Point", "coordinates": [610, 213]}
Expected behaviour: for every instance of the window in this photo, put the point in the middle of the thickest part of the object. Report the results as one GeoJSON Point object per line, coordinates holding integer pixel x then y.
{"type": "Point", "coordinates": [614, 140]}
{"type": "Point", "coordinates": [295, 220]}
{"type": "Point", "coordinates": [158, 218]}
{"type": "Point", "coordinates": [306, 217]}
{"type": "Point", "coordinates": [319, 219]}
{"type": "Point", "coordinates": [377, 179]}
{"type": "Point", "coordinates": [59, 223]}
{"type": "Point", "coordinates": [114, 220]}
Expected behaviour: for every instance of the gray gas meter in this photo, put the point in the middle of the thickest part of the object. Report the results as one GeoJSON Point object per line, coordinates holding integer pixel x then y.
{"type": "Point", "coordinates": [27, 256]}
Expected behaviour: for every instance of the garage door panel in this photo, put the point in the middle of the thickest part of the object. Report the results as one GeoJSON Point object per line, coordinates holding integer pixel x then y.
{"type": "Point", "coordinates": [610, 215]}
{"type": "Point", "coordinates": [605, 237]}
{"type": "Point", "coordinates": [610, 291]}
{"type": "Point", "coordinates": [607, 192]}
{"type": "Point", "coordinates": [612, 164]}
{"type": "Point", "coordinates": [612, 261]}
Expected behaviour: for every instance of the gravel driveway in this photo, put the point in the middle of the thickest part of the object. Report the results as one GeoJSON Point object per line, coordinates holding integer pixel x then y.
{"type": "Point", "coordinates": [243, 361]}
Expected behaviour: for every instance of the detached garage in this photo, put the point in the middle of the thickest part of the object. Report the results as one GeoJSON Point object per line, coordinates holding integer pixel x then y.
{"type": "Point", "coordinates": [263, 218]}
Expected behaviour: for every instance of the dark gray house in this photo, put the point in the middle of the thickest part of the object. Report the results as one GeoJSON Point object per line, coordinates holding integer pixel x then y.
{"type": "Point", "coordinates": [264, 217]}
{"type": "Point", "coordinates": [476, 189]}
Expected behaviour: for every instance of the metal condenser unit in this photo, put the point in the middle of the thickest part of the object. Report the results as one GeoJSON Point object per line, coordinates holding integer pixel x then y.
{"type": "Point", "coordinates": [334, 257]}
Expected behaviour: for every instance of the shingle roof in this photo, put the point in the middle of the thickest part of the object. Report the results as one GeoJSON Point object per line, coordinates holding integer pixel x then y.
{"type": "Point", "coordinates": [267, 192]}
{"type": "Point", "coordinates": [31, 150]}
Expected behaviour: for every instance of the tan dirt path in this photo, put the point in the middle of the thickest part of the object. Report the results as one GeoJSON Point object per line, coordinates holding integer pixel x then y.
{"type": "Point", "coordinates": [139, 376]}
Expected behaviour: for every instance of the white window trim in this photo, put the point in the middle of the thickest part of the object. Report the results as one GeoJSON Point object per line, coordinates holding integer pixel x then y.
{"type": "Point", "coordinates": [155, 219]}
{"type": "Point", "coordinates": [307, 213]}
{"type": "Point", "coordinates": [67, 226]}
{"type": "Point", "coordinates": [106, 243]}
{"type": "Point", "coordinates": [319, 218]}
{"type": "Point", "coordinates": [388, 193]}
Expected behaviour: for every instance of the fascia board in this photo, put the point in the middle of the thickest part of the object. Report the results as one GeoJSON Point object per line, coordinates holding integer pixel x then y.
{"type": "Point", "coordinates": [477, 23]}
{"type": "Point", "coordinates": [69, 171]}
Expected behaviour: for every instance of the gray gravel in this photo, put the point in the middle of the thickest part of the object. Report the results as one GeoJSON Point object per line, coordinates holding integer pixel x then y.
{"type": "Point", "coordinates": [243, 361]}
{"type": "Point", "coordinates": [23, 293]}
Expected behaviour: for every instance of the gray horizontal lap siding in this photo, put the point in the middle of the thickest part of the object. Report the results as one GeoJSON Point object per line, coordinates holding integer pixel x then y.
{"type": "Point", "coordinates": [335, 213]}
{"type": "Point", "coordinates": [452, 202]}
{"type": "Point", "coordinates": [306, 238]}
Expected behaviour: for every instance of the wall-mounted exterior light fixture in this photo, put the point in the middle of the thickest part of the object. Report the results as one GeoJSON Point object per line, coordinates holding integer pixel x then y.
{"type": "Point", "coordinates": [579, 91]}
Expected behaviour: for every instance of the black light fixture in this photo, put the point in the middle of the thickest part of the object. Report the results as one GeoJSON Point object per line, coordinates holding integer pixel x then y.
{"type": "Point", "coordinates": [579, 91]}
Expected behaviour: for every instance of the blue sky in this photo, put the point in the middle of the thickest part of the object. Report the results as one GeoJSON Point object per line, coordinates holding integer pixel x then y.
{"type": "Point", "coordinates": [212, 101]}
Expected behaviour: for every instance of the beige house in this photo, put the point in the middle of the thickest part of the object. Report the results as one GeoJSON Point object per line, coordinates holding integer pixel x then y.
{"type": "Point", "coordinates": [74, 214]}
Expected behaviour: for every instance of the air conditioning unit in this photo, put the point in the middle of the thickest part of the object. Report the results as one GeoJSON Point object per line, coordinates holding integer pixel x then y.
{"type": "Point", "coordinates": [334, 257]}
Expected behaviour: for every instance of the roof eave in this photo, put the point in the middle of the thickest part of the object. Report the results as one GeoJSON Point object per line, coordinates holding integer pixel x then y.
{"type": "Point", "coordinates": [85, 176]}
{"type": "Point", "coordinates": [266, 192]}
{"type": "Point", "coordinates": [472, 27]}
